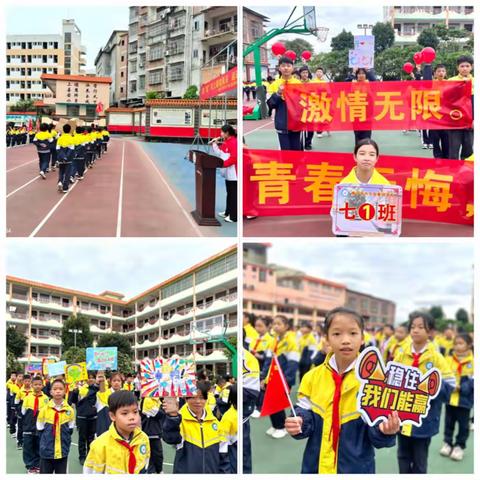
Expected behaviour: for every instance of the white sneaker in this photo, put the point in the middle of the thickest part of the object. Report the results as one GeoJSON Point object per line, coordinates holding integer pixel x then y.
{"type": "Point", "coordinates": [319, 135]}
{"type": "Point", "coordinates": [42, 174]}
{"type": "Point", "coordinates": [446, 450]}
{"type": "Point", "coordinates": [271, 431]}
{"type": "Point", "coordinates": [279, 433]}
{"type": "Point", "coordinates": [255, 414]}
{"type": "Point", "coordinates": [228, 219]}
{"type": "Point", "coordinates": [424, 146]}
{"type": "Point", "coordinates": [59, 186]}
{"type": "Point", "coordinates": [222, 214]}
{"type": "Point", "coordinates": [457, 453]}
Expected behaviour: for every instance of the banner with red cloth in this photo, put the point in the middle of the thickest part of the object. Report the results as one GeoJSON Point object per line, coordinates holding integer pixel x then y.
{"type": "Point", "coordinates": [276, 394]}
{"type": "Point", "coordinates": [279, 183]}
{"type": "Point", "coordinates": [425, 104]}
{"type": "Point", "coordinates": [221, 84]}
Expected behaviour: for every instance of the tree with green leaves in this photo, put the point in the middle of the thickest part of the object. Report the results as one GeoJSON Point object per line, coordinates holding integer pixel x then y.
{"type": "Point", "coordinates": [125, 363]}
{"type": "Point", "coordinates": [389, 63]}
{"type": "Point", "coordinates": [191, 92]}
{"type": "Point", "coordinates": [299, 45]}
{"type": "Point", "coordinates": [23, 106]}
{"type": "Point", "coordinates": [428, 38]}
{"type": "Point", "coordinates": [84, 339]}
{"type": "Point", "coordinates": [16, 342]}
{"type": "Point", "coordinates": [384, 36]}
{"type": "Point", "coordinates": [116, 340]}
{"type": "Point", "coordinates": [74, 355]}
{"type": "Point", "coordinates": [436, 311]}
{"type": "Point", "coordinates": [343, 41]}
{"type": "Point", "coordinates": [461, 316]}
{"type": "Point", "coordinates": [153, 95]}
{"type": "Point", "coordinates": [334, 63]}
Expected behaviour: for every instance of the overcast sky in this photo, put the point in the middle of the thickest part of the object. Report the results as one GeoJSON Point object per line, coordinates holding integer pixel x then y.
{"type": "Point", "coordinates": [96, 22]}
{"type": "Point", "coordinates": [129, 266]}
{"type": "Point", "coordinates": [335, 18]}
{"type": "Point", "coordinates": [413, 275]}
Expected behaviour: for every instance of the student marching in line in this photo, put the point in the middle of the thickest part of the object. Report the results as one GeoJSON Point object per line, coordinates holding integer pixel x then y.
{"type": "Point", "coordinates": [55, 424]}
{"type": "Point", "coordinates": [461, 141]}
{"type": "Point", "coordinates": [339, 441]}
{"type": "Point", "coordinates": [285, 347]}
{"type": "Point", "coordinates": [12, 389]}
{"type": "Point", "coordinates": [414, 442]}
{"type": "Point", "coordinates": [401, 340]}
{"type": "Point", "coordinates": [84, 397]}
{"type": "Point", "coordinates": [129, 385]}
{"type": "Point", "coordinates": [105, 139]}
{"type": "Point", "coordinates": [43, 141]}
{"type": "Point", "coordinates": [194, 430]}
{"type": "Point", "coordinates": [307, 346]}
{"type": "Point", "coordinates": [250, 333]}
{"type": "Point", "coordinates": [152, 416]}
{"type": "Point", "coordinates": [229, 431]}
{"type": "Point", "coordinates": [22, 393]}
{"type": "Point", "coordinates": [288, 139]}
{"type": "Point", "coordinates": [103, 417]}
{"type": "Point", "coordinates": [65, 146]}
{"type": "Point", "coordinates": [123, 448]}
{"type": "Point", "coordinates": [53, 147]}
{"type": "Point", "coordinates": [30, 410]}
{"type": "Point", "coordinates": [460, 404]}
{"type": "Point", "coordinates": [221, 393]}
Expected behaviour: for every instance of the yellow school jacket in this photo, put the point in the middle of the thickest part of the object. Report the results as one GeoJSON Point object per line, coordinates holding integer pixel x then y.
{"type": "Point", "coordinates": [228, 428]}
{"type": "Point", "coordinates": [462, 368]}
{"type": "Point", "coordinates": [375, 179]}
{"type": "Point", "coordinates": [108, 455]}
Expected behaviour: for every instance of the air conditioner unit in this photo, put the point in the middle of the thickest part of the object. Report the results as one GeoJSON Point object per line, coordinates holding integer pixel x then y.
{"type": "Point", "coordinates": [167, 52]}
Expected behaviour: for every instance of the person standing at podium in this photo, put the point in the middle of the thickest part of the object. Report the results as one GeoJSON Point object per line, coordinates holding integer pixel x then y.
{"type": "Point", "coordinates": [227, 151]}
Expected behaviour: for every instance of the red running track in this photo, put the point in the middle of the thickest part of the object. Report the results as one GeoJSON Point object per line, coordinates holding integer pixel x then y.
{"type": "Point", "coordinates": [124, 194]}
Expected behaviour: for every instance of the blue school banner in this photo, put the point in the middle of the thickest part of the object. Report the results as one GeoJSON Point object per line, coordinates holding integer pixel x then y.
{"type": "Point", "coordinates": [102, 358]}
{"type": "Point", "coordinates": [56, 369]}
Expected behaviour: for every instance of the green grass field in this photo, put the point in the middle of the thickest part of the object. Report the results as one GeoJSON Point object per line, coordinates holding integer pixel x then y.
{"type": "Point", "coordinates": [15, 461]}
{"type": "Point", "coordinates": [285, 455]}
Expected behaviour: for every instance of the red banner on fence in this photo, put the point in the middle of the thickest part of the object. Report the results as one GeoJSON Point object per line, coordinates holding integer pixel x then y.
{"type": "Point", "coordinates": [221, 84]}
{"type": "Point", "coordinates": [429, 105]}
{"type": "Point", "coordinates": [280, 183]}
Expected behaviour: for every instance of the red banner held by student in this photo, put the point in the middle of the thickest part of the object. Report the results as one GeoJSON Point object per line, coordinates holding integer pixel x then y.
{"type": "Point", "coordinates": [278, 183]}
{"type": "Point", "coordinates": [276, 395]}
{"type": "Point", "coordinates": [221, 84]}
{"type": "Point", "coordinates": [426, 104]}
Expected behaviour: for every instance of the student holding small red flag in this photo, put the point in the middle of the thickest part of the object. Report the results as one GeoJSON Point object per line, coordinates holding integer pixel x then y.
{"type": "Point", "coordinates": [339, 441]}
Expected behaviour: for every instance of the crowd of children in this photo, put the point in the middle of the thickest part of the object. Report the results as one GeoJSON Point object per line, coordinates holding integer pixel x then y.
{"type": "Point", "coordinates": [452, 144]}
{"type": "Point", "coordinates": [119, 431]}
{"type": "Point", "coordinates": [72, 151]}
{"type": "Point", "coordinates": [320, 361]}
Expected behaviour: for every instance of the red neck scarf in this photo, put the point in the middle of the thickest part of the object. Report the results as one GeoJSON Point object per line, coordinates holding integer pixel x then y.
{"type": "Point", "coordinates": [257, 341]}
{"type": "Point", "coordinates": [35, 404]}
{"type": "Point", "coordinates": [335, 431]}
{"type": "Point", "coordinates": [459, 363]}
{"type": "Point", "coordinates": [416, 359]}
{"type": "Point", "coordinates": [132, 461]}
{"type": "Point", "coordinates": [56, 420]}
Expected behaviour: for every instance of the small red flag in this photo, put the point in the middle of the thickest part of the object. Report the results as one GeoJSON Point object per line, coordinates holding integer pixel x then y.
{"type": "Point", "coordinates": [99, 107]}
{"type": "Point", "coordinates": [276, 394]}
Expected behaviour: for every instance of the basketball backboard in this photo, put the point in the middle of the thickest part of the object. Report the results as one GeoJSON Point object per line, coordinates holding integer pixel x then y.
{"type": "Point", "coordinates": [310, 18]}
{"type": "Point", "coordinates": [208, 329]}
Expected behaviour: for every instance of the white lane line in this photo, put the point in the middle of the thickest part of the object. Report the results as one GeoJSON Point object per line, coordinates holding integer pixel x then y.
{"type": "Point", "coordinates": [22, 165]}
{"type": "Point", "coordinates": [52, 211]}
{"type": "Point", "coordinates": [24, 185]}
{"type": "Point", "coordinates": [120, 195]}
{"type": "Point", "coordinates": [258, 128]}
{"type": "Point", "coordinates": [187, 214]}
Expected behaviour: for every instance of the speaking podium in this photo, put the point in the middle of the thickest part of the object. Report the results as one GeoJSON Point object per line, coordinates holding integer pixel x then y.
{"type": "Point", "coordinates": [205, 182]}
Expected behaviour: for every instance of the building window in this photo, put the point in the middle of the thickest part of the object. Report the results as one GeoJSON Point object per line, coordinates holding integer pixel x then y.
{"type": "Point", "coordinates": [121, 74]}
{"type": "Point", "coordinates": [68, 37]}
{"type": "Point", "coordinates": [73, 110]}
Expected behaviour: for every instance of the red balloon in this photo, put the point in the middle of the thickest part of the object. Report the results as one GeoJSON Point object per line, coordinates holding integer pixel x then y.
{"type": "Point", "coordinates": [291, 54]}
{"type": "Point", "coordinates": [417, 58]}
{"type": "Point", "coordinates": [428, 54]}
{"type": "Point", "coordinates": [278, 48]}
{"type": "Point", "coordinates": [306, 55]}
{"type": "Point", "coordinates": [408, 68]}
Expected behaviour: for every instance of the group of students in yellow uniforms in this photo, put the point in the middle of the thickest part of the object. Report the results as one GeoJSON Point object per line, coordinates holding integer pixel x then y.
{"type": "Point", "coordinates": [339, 441]}
{"type": "Point", "coordinates": [17, 136]}
{"type": "Point", "coordinates": [118, 431]}
{"type": "Point", "coordinates": [72, 152]}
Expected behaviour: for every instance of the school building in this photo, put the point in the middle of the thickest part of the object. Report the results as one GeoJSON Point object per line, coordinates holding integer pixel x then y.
{"type": "Point", "coordinates": [271, 289]}
{"type": "Point", "coordinates": [409, 21]}
{"type": "Point", "coordinates": [30, 56]}
{"type": "Point", "coordinates": [253, 29]}
{"type": "Point", "coordinates": [157, 322]}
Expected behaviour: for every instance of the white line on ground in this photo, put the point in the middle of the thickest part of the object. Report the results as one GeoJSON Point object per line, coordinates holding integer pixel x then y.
{"type": "Point", "coordinates": [22, 165]}
{"type": "Point", "coordinates": [24, 185]}
{"type": "Point", "coordinates": [172, 193]}
{"type": "Point", "coordinates": [120, 195]}
{"type": "Point", "coordinates": [258, 128]}
{"type": "Point", "coordinates": [52, 211]}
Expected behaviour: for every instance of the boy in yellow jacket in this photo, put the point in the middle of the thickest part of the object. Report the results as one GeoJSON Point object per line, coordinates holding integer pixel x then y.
{"type": "Point", "coordinates": [123, 448]}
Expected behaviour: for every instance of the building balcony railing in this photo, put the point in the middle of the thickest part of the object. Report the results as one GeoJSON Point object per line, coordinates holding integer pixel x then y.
{"type": "Point", "coordinates": [216, 32]}
{"type": "Point", "coordinates": [19, 296]}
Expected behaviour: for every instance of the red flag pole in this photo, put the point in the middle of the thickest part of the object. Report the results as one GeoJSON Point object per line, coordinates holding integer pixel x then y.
{"type": "Point", "coordinates": [285, 385]}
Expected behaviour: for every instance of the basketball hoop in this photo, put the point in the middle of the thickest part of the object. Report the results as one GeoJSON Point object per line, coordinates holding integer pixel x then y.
{"type": "Point", "coordinates": [208, 329]}
{"type": "Point", "coordinates": [321, 33]}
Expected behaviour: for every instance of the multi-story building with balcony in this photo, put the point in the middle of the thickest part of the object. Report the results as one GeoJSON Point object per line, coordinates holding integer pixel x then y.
{"type": "Point", "coordinates": [112, 61]}
{"type": "Point", "coordinates": [409, 21]}
{"type": "Point", "coordinates": [30, 56]}
{"type": "Point", "coordinates": [156, 322]}
{"type": "Point", "coordinates": [271, 289]}
{"type": "Point", "coordinates": [254, 28]}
